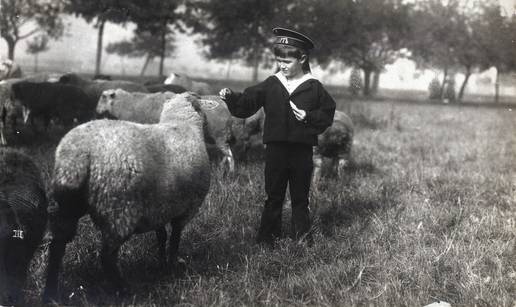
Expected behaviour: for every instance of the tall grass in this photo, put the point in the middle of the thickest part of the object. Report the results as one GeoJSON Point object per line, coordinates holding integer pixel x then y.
{"type": "Point", "coordinates": [425, 212]}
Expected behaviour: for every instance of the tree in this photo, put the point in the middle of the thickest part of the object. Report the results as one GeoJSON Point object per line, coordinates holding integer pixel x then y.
{"type": "Point", "coordinates": [367, 34]}
{"type": "Point", "coordinates": [142, 44]}
{"type": "Point", "coordinates": [101, 12]}
{"type": "Point", "coordinates": [20, 19]}
{"type": "Point", "coordinates": [235, 28]}
{"type": "Point", "coordinates": [496, 39]}
{"type": "Point", "coordinates": [156, 20]}
{"type": "Point", "coordinates": [36, 46]}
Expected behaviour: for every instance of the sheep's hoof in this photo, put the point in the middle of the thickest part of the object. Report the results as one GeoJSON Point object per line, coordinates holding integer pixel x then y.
{"type": "Point", "coordinates": [178, 267]}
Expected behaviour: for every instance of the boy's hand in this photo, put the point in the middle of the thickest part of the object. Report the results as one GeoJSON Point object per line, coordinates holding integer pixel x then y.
{"type": "Point", "coordinates": [225, 93]}
{"type": "Point", "coordinates": [299, 113]}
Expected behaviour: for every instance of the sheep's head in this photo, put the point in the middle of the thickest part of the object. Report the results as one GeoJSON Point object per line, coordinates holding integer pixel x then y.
{"type": "Point", "coordinates": [106, 103]}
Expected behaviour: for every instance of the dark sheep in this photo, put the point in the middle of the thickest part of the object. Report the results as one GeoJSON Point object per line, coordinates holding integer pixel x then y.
{"type": "Point", "coordinates": [334, 144]}
{"type": "Point", "coordinates": [94, 88]}
{"type": "Point", "coordinates": [131, 178]}
{"type": "Point", "coordinates": [174, 88]}
{"type": "Point", "coordinates": [23, 218]}
{"type": "Point", "coordinates": [49, 100]}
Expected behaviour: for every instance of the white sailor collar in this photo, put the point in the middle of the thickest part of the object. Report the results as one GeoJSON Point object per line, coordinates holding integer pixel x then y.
{"type": "Point", "coordinates": [291, 86]}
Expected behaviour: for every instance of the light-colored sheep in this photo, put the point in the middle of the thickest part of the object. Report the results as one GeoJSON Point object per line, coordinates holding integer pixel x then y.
{"type": "Point", "coordinates": [335, 144]}
{"type": "Point", "coordinates": [201, 88]}
{"type": "Point", "coordinates": [23, 218]}
{"type": "Point", "coordinates": [145, 108]}
{"type": "Point", "coordinates": [131, 178]}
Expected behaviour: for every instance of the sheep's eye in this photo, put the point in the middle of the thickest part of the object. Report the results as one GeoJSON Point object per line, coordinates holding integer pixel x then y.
{"type": "Point", "coordinates": [112, 95]}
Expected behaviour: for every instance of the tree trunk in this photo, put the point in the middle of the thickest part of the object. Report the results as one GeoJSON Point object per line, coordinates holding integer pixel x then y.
{"type": "Point", "coordinates": [228, 70]}
{"type": "Point", "coordinates": [463, 86]}
{"type": "Point", "coordinates": [162, 51]}
{"type": "Point", "coordinates": [497, 85]}
{"type": "Point", "coordinates": [367, 82]}
{"type": "Point", "coordinates": [10, 49]}
{"type": "Point", "coordinates": [376, 82]}
{"type": "Point", "coordinates": [101, 24]}
{"type": "Point", "coordinates": [36, 62]}
{"type": "Point", "coordinates": [256, 65]}
{"type": "Point", "coordinates": [144, 68]}
{"type": "Point", "coordinates": [443, 84]}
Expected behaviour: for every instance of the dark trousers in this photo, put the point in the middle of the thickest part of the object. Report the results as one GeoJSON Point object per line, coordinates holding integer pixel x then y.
{"type": "Point", "coordinates": [286, 163]}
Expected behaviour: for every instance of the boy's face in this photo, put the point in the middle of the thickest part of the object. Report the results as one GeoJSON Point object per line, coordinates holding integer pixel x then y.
{"type": "Point", "coordinates": [291, 67]}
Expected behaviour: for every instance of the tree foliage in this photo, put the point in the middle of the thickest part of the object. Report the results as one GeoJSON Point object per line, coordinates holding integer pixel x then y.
{"type": "Point", "coordinates": [20, 19]}
{"type": "Point", "coordinates": [236, 28]}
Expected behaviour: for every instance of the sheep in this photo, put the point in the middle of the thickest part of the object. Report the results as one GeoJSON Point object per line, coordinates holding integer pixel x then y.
{"type": "Point", "coordinates": [247, 135]}
{"type": "Point", "coordinates": [52, 100]}
{"type": "Point", "coordinates": [154, 88]}
{"type": "Point", "coordinates": [23, 218]}
{"type": "Point", "coordinates": [201, 88]}
{"type": "Point", "coordinates": [131, 178]}
{"type": "Point", "coordinates": [334, 143]}
{"type": "Point", "coordinates": [9, 69]}
{"type": "Point", "coordinates": [94, 88]}
{"type": "Point", "coordinates": [8, 111]}
{"type": "Point", "coordinates": [145, 109]}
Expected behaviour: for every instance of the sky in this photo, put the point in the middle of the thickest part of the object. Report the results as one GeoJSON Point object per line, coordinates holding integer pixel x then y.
{"type": "Point", "coordinates": [76, 51]}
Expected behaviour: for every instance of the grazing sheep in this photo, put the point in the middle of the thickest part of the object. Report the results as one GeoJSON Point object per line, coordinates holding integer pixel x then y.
{"type": "Point", "coordinates": [174, 88]}
{"type": "Point", "coordinates": [23, 218]}
{"type": "Point", "coordinates": [247, 133]}
{"type": "Point", "coordinates": [8, 111]}
{"type": "Point", "coordinates": [48, 100]}
{"type": "Point", "coordinates": [334, 143]}
{"type": "Point", "coordinates": [9, 69]}
{"type": "Point", "coordinates": [145, 108]}
{"type": "Point", "coordinates": [94, 88]}
{"type": "Point", "coordinates": [201, 88]}
{"type": "Point", "coordinates": [131, 178]}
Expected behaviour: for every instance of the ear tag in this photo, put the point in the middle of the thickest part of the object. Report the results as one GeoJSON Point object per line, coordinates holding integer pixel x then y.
{"type": "Point", "coordinates": [18, 233]}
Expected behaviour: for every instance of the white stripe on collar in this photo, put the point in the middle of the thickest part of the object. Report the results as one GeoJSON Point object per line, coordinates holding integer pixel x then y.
{"type": "Point", "coordinates": [291, 86]}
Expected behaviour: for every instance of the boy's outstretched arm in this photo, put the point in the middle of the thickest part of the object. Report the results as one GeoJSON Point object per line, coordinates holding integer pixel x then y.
{"type": "Point", "coordinates": [244, 104]}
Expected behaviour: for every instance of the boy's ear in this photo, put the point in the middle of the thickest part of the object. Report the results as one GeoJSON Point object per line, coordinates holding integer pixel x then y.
{"type": "Point", "coordinates": [303, 58]}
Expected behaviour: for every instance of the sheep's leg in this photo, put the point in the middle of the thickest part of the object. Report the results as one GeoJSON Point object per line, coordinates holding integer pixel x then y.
{"type": "Point", "coordinates": [161, 235]}
{"type": "Point", "coordinates": [63, 229]}
{"type": "Point", "coordinates": [175, 237]}
{"type": "Point", "coordinates": [109, 259]}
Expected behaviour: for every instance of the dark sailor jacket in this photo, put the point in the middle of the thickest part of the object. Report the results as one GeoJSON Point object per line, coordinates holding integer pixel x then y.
{"type": "Point", "coordinates": [281, 124]}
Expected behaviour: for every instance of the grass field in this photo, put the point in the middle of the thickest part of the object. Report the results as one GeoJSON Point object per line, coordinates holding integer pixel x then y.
{"type": "Point", "coordinates": [425, 212]}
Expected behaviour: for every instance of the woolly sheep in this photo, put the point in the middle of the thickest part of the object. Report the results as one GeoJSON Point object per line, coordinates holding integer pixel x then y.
{"type": "Point", "coordinates": [145, 109]}
{"type": "Point", "coordinates": [94, 88]}
{"type": "Point", "coordinates": [131, 178]}
{"type": "Point", "coordinates": [334, 143]}
{"type": "Point", "coordinates": [23, 217]}
{"type": "Point", "coordinates": [201, 88]}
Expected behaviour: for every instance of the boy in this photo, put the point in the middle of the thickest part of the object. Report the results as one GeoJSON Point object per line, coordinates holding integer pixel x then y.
{"type": "Point", "coordinates": [297, 109]}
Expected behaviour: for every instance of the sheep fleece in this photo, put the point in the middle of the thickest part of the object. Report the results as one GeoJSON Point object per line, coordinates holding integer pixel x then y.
{"type": "Point", "coordinates": [138, 177]}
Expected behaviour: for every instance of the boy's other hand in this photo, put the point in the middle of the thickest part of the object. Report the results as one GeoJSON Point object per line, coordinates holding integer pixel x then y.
{"type": "Point", "coordinates": [225, 93]}
{"type": "Point", "coordinates": [299, 113]}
